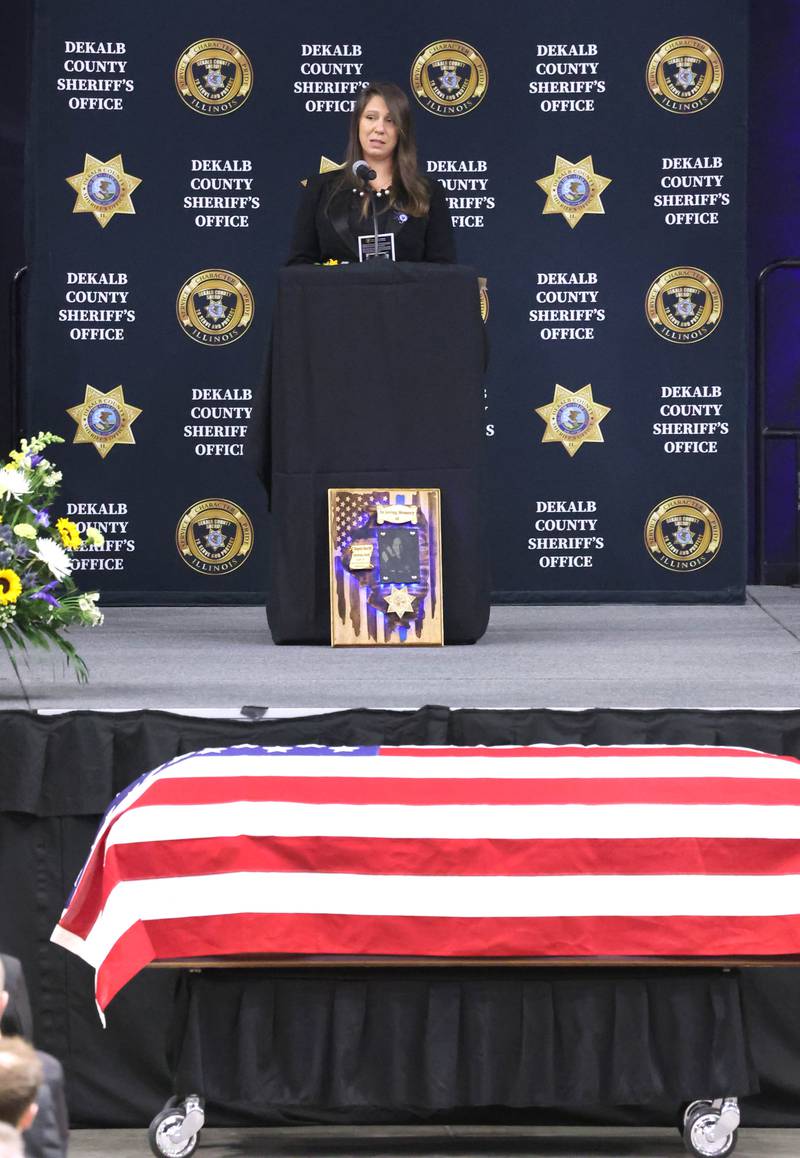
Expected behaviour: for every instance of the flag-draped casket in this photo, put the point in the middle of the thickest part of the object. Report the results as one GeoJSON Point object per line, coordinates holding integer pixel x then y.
{"type": "Point", "coordinates": [499, 852]}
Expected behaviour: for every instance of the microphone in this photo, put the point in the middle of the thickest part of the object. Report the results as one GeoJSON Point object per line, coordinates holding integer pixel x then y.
{"type": "Point", "coordinates": [361, 169]}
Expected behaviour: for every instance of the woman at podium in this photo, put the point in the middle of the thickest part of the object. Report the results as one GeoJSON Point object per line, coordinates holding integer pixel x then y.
{"type": "Point", "coordinates": [335, 219]}
{"type": "Point", "coordinates": [374, 383]}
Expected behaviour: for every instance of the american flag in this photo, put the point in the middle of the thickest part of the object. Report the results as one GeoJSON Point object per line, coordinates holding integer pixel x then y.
{"type": "Point", "coordinates": [443, 852]}
{"type": "Point", "coordinates": [351, 511]}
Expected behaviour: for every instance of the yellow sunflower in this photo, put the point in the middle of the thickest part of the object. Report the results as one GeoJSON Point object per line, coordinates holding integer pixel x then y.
{"type": "Point", "coordinates": [10, 587]}
{"type": "Point", "coordinates": [70, 535]}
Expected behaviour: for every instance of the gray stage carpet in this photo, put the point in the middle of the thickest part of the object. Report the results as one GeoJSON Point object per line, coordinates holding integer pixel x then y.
{"type": "Point", "coordinates": [444, 1142]}
{"type": "Point", "coordinates": [602, 655]}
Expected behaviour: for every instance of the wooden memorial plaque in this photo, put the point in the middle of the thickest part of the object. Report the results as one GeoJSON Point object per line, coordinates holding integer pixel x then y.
{"type": "Point", "coordinates": [385, 567]}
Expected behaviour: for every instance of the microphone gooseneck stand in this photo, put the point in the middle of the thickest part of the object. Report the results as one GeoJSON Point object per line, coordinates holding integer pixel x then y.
{"type": "Point", "coordinates": [366, 174]}
{"type": "Point", "coordinates": [373, 198]}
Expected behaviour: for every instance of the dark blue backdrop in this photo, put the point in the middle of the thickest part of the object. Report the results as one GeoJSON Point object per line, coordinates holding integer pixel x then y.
{"type": "Point", "coordinates": [141, 491]}
{"type": "Point", "coordinates": [773, 234]}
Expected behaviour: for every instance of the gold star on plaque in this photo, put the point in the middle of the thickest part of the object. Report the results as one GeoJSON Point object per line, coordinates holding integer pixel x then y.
{"type": "Point", "coordinates": [573, 189]}
{"type": "Point", "coordinates": [103, 188]}
{"type": "Point", "coordinates": [104, 419]}
{"type": "Point", "coordinates": [400, 601]}
{"type": "Point", "coordinates": [572, 418]}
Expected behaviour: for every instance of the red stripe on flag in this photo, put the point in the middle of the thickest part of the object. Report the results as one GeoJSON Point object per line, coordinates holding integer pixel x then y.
{"type": "Point", "coordinates": [127, 956]}
{"type": "Point", "coordinates": [244, 934]}
{"type": "Point", "coordinates": [424, 792]}
{"type": "Point", "coordinates": [389, 857]}
{"type": "Point", "coordinates": [589, 753]}
{"type": "Point", "coordinates": [88, 897]}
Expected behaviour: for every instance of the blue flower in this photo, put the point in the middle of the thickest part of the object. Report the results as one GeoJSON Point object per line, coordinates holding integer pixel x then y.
{"type": "Point", "coordinates": [47, 597]}
{"type": "Point", "coordinates": [44, 593]}
{"type": "Point", "coordinates": [41, 518]}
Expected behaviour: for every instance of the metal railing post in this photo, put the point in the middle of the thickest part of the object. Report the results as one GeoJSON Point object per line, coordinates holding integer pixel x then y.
{"type": "Point", "coordinates": [764, 431]}
{"type": "Point", "coordinates": [16, 355]}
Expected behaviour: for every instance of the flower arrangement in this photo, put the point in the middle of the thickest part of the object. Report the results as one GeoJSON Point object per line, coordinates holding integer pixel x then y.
{"type": "Point", "coordinates": [38, 597]}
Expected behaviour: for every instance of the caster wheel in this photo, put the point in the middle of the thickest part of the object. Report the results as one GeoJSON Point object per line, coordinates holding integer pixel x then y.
{"type": "Point", "coordinates": [700, 1121]}
{"type": "Point", "coordinates": [686, 1109]}
{"type": "Point", "coordinates": [162, 1130]}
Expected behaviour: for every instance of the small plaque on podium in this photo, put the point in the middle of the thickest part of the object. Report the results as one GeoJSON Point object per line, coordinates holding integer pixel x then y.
{"type": "Point", "coordinates": [385, 567]}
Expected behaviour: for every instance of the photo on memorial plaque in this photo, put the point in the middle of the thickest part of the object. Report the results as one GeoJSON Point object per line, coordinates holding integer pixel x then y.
{"type": "Point", "coordinates": [385, 567]}
{"type": "Point", "coordinates": [399, 554]}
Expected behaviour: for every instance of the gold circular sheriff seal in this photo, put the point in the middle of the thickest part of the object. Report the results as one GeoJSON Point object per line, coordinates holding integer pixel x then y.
{"type": "Point", "coordinates": [449, 78]}
{"type": "Point", "coordinates": [685, 74]}
{"type": "Point", "coordinates": [214, 77]}
{"type": "Point", "coordinates": [684, 304]}
{"type": "Point", "coordinates": [215, 307]}
{"type": "Point", "coordinates": [214, 536]}
{"type": "Point", "coordinates": [683, 533]}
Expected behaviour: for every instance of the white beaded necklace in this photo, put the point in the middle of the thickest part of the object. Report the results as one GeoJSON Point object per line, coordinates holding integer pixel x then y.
{"type": "Point", "coordinates": [378, 192]}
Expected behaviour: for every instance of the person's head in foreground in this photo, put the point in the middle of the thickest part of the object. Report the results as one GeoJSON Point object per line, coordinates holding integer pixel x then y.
{"type": "Point", "coordinates": [10, 1142]}
{"type": "Point", "coordinates": [20, 1078]}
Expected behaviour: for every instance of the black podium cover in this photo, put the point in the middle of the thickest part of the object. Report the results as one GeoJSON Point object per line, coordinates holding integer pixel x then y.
{"type": "Point", "coordinates": [374, 380]}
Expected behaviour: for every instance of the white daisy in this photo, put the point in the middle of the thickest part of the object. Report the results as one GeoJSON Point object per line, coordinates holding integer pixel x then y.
{"type": "Point", "coordinates": [55, 558]}
{"type": "Point", "coordinates": [13, 482]}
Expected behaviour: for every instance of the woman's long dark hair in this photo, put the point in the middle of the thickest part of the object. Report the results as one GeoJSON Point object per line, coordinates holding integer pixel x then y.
{"type": "Point", "coordinates": [409, 189]}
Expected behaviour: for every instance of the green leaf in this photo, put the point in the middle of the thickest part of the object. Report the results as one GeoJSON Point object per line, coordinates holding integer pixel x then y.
{"type": "Point", "coordinates": [13, 663]}
{"type": "Point", "coordinates": [81, 670]}
{"type": "Point", "coordinates": [15, 636]}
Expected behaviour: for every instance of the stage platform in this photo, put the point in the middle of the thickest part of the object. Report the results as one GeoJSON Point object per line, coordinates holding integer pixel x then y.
{"type": "Point", "coordinates": [216, 659]}
{"type": "Point", "coordinates": [435, 1142]}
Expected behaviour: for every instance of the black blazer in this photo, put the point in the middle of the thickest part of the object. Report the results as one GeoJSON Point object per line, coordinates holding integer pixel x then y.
{"type": "Point", "coordinates": [48, 1137]}
{"type": "Point", "coordinates": [18, 1018]}
{"type": "Point", "coordinates": [322, 230]}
